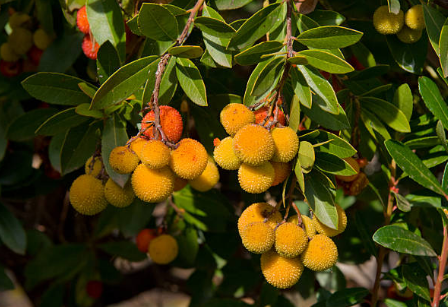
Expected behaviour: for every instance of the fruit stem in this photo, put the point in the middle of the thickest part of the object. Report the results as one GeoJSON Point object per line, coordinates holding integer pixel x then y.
{"type": "Point", "coordinates": [442, 265]}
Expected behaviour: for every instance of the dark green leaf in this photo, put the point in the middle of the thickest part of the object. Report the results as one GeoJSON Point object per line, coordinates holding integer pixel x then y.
{"type": "Point", "coordinates": [133, 25]}
{"type": "Point", "coordinates": [389, 113]}
{"type": "Point", "coordinates": [157, 22]}
{"type": "Point", "coordinates": [268, 76]}
{"type": "Point", "coordinates": [230, 5]}
{"type": "Point", "coordinates": [364, 233]}
{"type": "Point", "coordinates": [434, 21]}
{"type": "Point", "coordinates": [24, 126]}
{"type": "Point", "coordinates": [185, 51]}
{"type": "Point", "coordinates": [168, 85]}
{"type": "Point", "coordinates": [134, 218]}
{"type": "Point", "coordinates": [433, 99]}
{"type": "Point", "coordinates": [66, 49]}
{"type": "Point", "coordinates": [61, 122]}
{"type": "Point", "coordinates": [441, 134]}
{"type": "Point", "coordinates": [5, 281]}
{"type": "Point", "coordinates": [329, 37]}
{"type": "Point", "coordinates": [301, 88]}
{"type": "Point", "coordinates": [107, 62]}
{"type": "Point", "coordinates": [124, 249]}
{"type": "Point", "coordinates": [11, 231]}
{"type": "Point", "coordinates": [214, 26]}
{"type": "Point", "coordinates": [326, 61]}
{"type": "Point", "coordinates": [84, 110]}
{"type": "Point", "coordinates": [443, 43]}
{"type": "Point", "coordinates": [325, 119]}
{"type": "Point", "coordinates": [298, 60]}
{"type": "Point", "coordinates": [248, 99]}
{"type": "Point", "coordinates": [416, 281]}
{"type": "Point", "coordinates": [326, 17]}
{"type": "Point", "coordinates": [347, 297]}
{"type": "Point", "coordinates": [253, 55]}
{"type": "Point", "coordinates": [372, 123]}
{"type": "Point", "coordinates": [305, 23]}
{"type": "Point", "coordinates": [191, 81]}
{"type": "Point", "coordinates": [188, 248]}
{"type": "Point", "coordinates": [332, 164]}
{"type": "Point", "coordinates": [410, 57]}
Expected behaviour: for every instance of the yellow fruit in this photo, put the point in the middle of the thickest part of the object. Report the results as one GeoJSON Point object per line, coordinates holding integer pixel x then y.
{"type": "Point", "coordinates": [414, 18]}
{"type": "Point", "coordinates": [18, 19]}
{"type": "Point", "coordinates": [163, 249]}
{"type": "Point", "coordinates": [208, 179]}
{"type": "Point", "coordinates": [41, 39]}
{"type": "Point", "coordinates": [155, 154]}
{"type": "Point", "coordinates": [320, 254]}
{"type": "Point", "coordinates": [137, 146]}
{"type": "Point", "coordinates": [189, 160]}
{"type": "Point", "coordinates": [123, 160]}
{"type": "Point", "coordinates": [20, 40]}
{"type": "Point", "coordinates": [93, 168]}
{"type": "Point", "coordinates": [354, 164]}
{"type": "Point", "coordinates": [235, 116]}
{"type": "Point", "coordinates": [152, 185]}
{"type": "Point", "coordinates": [7, 54]}
{"type": "Point", "coordinates": [329, 232]}
{"type": "Point", "coordinates": [118, 196]}
{"type": "Point", "coordinates": [282, 171]}
{"type": "Point", "coordinates": [253, 145]}
{"type": "Point", "coordinates": [307, 223]}
{"type": "Point", "coordinates": [225, 155]}
{"type": "Point", "coordinates": [290, 240]}
{"type": "Point", "coordinates": [282, 273]}
{"type": "Point", "coordinates": [87, 195]}
{"type": "Point", "coordinates": [258, 212]}
{"type": "Point", "coordinates": [258, 237]}
{"type": "Point", "coordinates": [256, 179]}
{"type": "Point", "coordinates": [286, 144]}
{"type": "Point", "coordinates": [387, 23]}
{"type": "Point", "coordinates": [179, 183]}
{"type": "Point", "coordinates": [409, 36]}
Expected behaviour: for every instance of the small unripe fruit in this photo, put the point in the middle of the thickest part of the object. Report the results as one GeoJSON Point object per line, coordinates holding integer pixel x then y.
{"type": "Point", "coordinates": [81, 20]}
{"type": "Point", "coordinates": [179, 183]}
{"type": "Point", "coordinates": [307, 223]}
{"type": "Point", "coordinates": [225, 155]}
{"type": "Point", "coordinates": [258, 212]}
{"type": "Point", "coordinates": [320, 254]}
{"type": "Point", "coordinates": [163, 249]}
{"type": "Point", "coordinates": [386, 22]}
{"type": "Point", "coordinates": [414, 18]}
{"type": "Point", "coordinates": [123, 160]}
{"type": "Point", "coordinates": [152, 185]}
{"type": "Point", "coordinates": [354, 164]}
{"type": "Point", "coordinates": [290, 240]}
{"type": "Point", "coordinates": [118, 196]}
{"type": "Point", "coordinates": [189, 159]}
{"type": "Point", "coordinates": [144, 237]}
{"type": "Point", "coordinates": [170, 121]}
{"type": "Point", "coordinates": [7, 54]}
{"type": "Point", "coordinates": [261, 114]}
{"type": "Point", "coordinates": [20, 40]}
{"type": "Point", "coordinates": [286, 144]}
{"type": "Point", "coordinates": [282, 273]}
{"type": "Point", "coordinates": [256, 179]}
{"type": "Point", "coordinates": [358, 184]}
{"type": "Point", "coordinates": [89, 47]}
{"type": "Point", "coordinates": [19, 19]}
{"type": "Point", "coordinates": [155, 154]}
{"type": "Point", "coordinates": [208, 179]}
{"type": "Point", "coordinates": [253, 145]}
{"type": "Point", "coordinates": [329, 232]}
{"type": "Point", "coordinates": [235, 116]}
{"type": "Point", "coordinates": [409, 36]}
{"type": "Point", "coordinates": [258, 237]}
{"type": "Point", "coordinates": [282, 171]}
{"type": "Point", "coordinates": [87, 195]}
{"type": "Point", "coordinates": [41, 39]}
{"type": "Point", "coordinates": [93, 168]}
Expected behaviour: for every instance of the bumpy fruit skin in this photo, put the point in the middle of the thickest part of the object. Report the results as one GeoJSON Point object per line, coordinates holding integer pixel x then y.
{"type": "Point", "coordinates": [179, 183]}
{"type": "Point", "coordinates": [123, 160]}
{"type": "Point", "coordinates": [144, 237]}
{"type": "Point", "coordinates": [235, 116]}
{"type": "Point", "coordinates": [329, 232]}
{"type": "Point", "coordinates": [354, 164]}
{"type": "Point", "coordinates": [387, 23]}
{"type": "Point", "coordinates": [208, 179]}
{"type": "Point", "coordinates": [155, 154]}
{"type": "Point", "coordinates": [137, 146]}
{"type": "Point", "coordinates": [170, 120]}
{"type": "Point", "coordinates": [414, 18]}
{"type": "Point", "coordinates": [286, 144]}
{"type": "Point", "coordinates": [256, 179]}
{"type": "Point", "coordinates": [409, 36]}
{"type": "Point", "coordinates": [163, 249]}
{"type": "Point", "coordinates": [7, 54]}
{"type": "Point", "coordinates": [225, 155]}
{"type": "Point", "coordinates": [118, 196]}
{"type": "Point", "coordinates": [20, 40]}
{"type": "Point", "coordinates": [261, 114]}
{"type": "Point", "coordinates": [35, 54]}
{"type": "Point", "coordinates": [253, 145]}
{"type": "Point", "coordinates": [93, 168]}
{"type": "Point", "coordinates": [94, 288]}
{"type": "Point", "coordinates": [19, 19]}
{"type": "Point", "coordinates": [87, 195]}
{"type": "Point", "coordinates": [282, 273]}
{"type": "Point", "coordinates": [81, 20]}
{"type": "Point", "coordinates": [320, 254]}
{"type": "Point", "coordinates": [290, 240]}
{"type": "Point", "coordinates": [152, 185]}
{"type": "Point", "coordinates": [90, 50]}
{"type": "Point", "coordinates": [41, 39]}
{"type": "Point", "coordinates": [189, 160]}
{"type": "Point", "coordinates": [10, 69]}
{"type": "Point", "coordinates": [258, 212]}
{"type": "Point", "coordinates": [258, 237]}
{"type": "Point", "coordinates": [282, 171]}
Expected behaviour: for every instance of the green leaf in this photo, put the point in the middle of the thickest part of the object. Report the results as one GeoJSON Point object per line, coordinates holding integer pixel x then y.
{"type": "Point", "coordinates": [426, 141]}
{"type": "Point", "coordinates": [214, 26]}
{"type": "Point", "coordinates": [306, 156]}
{"type": "Point", "coordinates": [326, 61]}
{"type": "Point", "coordinates": [443, 43]}
{"type": "Point", "coordinates": [410, 163]}
{"type": "Point", "coordinates": [24, 126]}
{"type": "Point", "coordinates": [186, 51]}
{"type": "Point", "coordinates": [294, 114]}
{"type": "Point", "coordinates": [326, 17]}
{"type": "Point", "coordinates": [299, 176]}
{"type": "Point", "coordinates": [434, 21]}
{"type": "Point", "coordinates": [371, 123]}
{"type": "Point", "coordinates": [168, 85]}
{"type": "Point", "coordinates": [389, 113]}
{"type": "Point", "coordinates": [12, 233]}
{"type": "Point", "coordinates": [305, 23]}
{"type": "Point", "coordinates": [157, 22]}
{"type": "Point", "coordinates": [332, 164]}
{"type": "Point", "coordinates": [66, 49]}
{"type": "Point", "coordinates": [301, 88]}
{"type": "Point", "coordinates": [133, 25]}
{"type": "Point", "coordinates": [248, 99]}
{"type": "Point", "coordinates": [253, 55]}
{"type": "Point", "coordinates": [325, 119]}
{"type": "Point", "coordinates": [188, 248]}
{"type": "Point", "coordinates": [298, 60]}
{"type": "Point", "coordinates": [394, 6]}
{"type": "Point", "coordinates": [61, 122]}
{"type": "Point", "coordinates": [107, 62]}
{"type": "Point", "coordinates": [336, 146]}
{"type": "Point", "coordinates": [5, 281]}
{"type": "Point", "coordinates": [394, 303]}
{"type": "Point", "coordinates": [402, 203]}
{"type": "Point", "coordinates": [410, 57]}
{"type": "Point", "coordinates": [347, 297]}
{"type": "Point", "coordinates": [441, 134]}
{"type": "Point", "coordinates": [403, 241]}
{"type": "Point", "coordinates": [84, 110]}
{"type": "Point", "coordinates": [191, 81]}
{"type": "Point", "coordinates": [365, 235]}
{"type": "Point", "coordinates": [433, 99]}
{"type": "Point", "coordinates": [123, 83]}
{"type": "Point", "coordinates": [55, 88]}
{"type": "Point", "coordinates": [124, 249]}
{"type": "Point", "coordinates": [268, 76]}
{"type": "Point", "coordinates": [329, 37]}
{"type": "Point", "coordinates": [403, 100]}
{"type": "Point", "coordinates": [134, 218]}
{"type": "Point", "coordinates": [416, 281]}
{"type": "Point", "coordinates": [230, 5]}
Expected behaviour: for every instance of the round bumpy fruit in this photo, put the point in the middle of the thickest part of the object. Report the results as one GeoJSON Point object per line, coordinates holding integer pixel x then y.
{"type": "Point", "coordinates": [409, 36]}
{"type": "Point", "coordinates": [7, 54]}
{"type": "Point", "coordinates": [170, 120]}
{"type": "Point", "coordinates": [155, 154]}
{"type": "Point", "coordinates": [163, 249]}
{"type": "Point", "coordinates": [87, 195]}
{"type": "Point", "coordinates": [137, 146]}
{"type": "Point", "coordinates": [414, 18]}
{"type": "Point", "coordinates": [386, 22]}
{"type": "Point", "coordinates": [81, 20]}
{"type": "Point", "coordinates": [354, 164]}
{"type": "Point", "coordinates": [189, 159]}
{"type": "Point", "coordinates": [258, 237]}
{"type": "Point", "coordinates": [93, 168]}
{"type": "Point", "coordinates": [253, 145]}
{"type": "Point", "coordinates": [123, 160]}
{"type": "Point", "coordinates": [144, 237]}
{"type": "Point", "coordinates": [225, 155]}
{"type": "Point", "coordinates": [89, 47]}
{"type": "Point", "coordinates": [235, 116]}
{"type": "Point", "coordinates": [20, 40]}
{"type": "Point", "coordinates": [19, 19]}
{"type": "Point", "coordinates": [307, 223]}
{"type": "Point", "coordinates": [330, 232]}
{"type": "Point", "coordinates": [256, 179]}
{"type": "Point", "coordinates": [152, 185]}
{"type": "Point", "coordinates": [258, 212]}
{"type": "Point", "coordinates": [118, 196]}
{"type": "Point", "coordinates": [261, 114]}
{"type": "Point", "coordinates": [208, 179]}
{"type": "Point", "coordinates": [41, 39]}
{"type": "Point", "coordinates": [286, 144]}
{"type": "Point", "coordinates": [282, 171]}
{"type": "Point", "coordinates": [320, 254]}
{"type": "Point", "coordinates": [282, 273]}
{"type": "Point", "coordinates": [290, 240]}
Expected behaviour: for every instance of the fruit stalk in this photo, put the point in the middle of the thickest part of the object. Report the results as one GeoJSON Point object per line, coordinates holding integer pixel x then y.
{"type": "Point", "coordinates": [442, 264]}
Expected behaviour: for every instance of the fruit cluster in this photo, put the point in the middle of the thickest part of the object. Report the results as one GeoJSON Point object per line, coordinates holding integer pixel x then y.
{"type": "Point", "coordinates": [288, 246]}
{"type": "Point", "coordinates": [408, 27]}
{"type": "Point", "coordinates": [162, 248]}
{"type": "Point", "coordinates": [25, 45]}
{"type": "Point", "coordinates": [260, 155]}
{"type": "Point", "coordinates": [89, 45]}
{"type": "Point", "coordinates": [354, 184]}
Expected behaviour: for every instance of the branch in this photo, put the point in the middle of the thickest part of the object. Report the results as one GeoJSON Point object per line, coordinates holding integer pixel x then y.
{"type": "Point", "coordinates": [442, 266]}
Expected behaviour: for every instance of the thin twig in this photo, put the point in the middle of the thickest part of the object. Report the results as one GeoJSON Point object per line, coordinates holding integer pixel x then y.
{"type": "Point", "coordinates": [442, 266]}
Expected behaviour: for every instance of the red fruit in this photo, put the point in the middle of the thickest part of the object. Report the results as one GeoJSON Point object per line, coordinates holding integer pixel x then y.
{"type": "Point", "coordinates": [89, 49]}
{"type": "Point", "coordinates": [356, 63]}
{"type": "Point", "coordinates": [10, 69]}
{"type": "Point", "coordinates": [171, 123]}
{"type": "Point", "coordinates": [94, 288]}
{"type": "Point", "coordinates": [261, 114]}
{"type": "Point", "coordinates": [144, 237]}
{"type": "Point", "coordinates": [81, 20]}
{"type": "Point", "coordinates": [35, 54]}
{"type": "Point", "coordinates": [216, 142]}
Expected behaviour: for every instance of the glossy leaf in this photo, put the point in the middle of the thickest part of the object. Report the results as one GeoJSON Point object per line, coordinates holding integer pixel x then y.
{"type": "Point", "coordinates": [336, 145]}
{"type": "Point", "coordinates": [416, 281]}
{"type": "Point", "coordinates": [410, 57]}
{"type": "Point", "coordinates": [434, 21]}
{"type": "Point", "coordinates": [402, 203]}
{"type": "Point", "coordinates": [347, 297]}
{"type": "Point", "coordinates": [12, 233]}
{"type": "Point", "coordinates": [389, 113]}
{"type": "Point", "coordinates": [326, 61]}
{"type": "Point", "coordinates": [403, 100]}
{"type": "Point", "coordinates": [433, 99]}
{"type": "Point", "coordinates": [332, 164]}
{"type": "Point", "coordinates": [325, 119]}
{"type": "Point", "coordinates": [301, 88]}
{"type": "Point", "coordinates": [268, 76]}
{"type": "Point", "coordinates": [253, 55]}
{"type": "Point", "coordinates": [329, 37]}
{"type": "Point", "coordinates": [327, 17]}
{"type": "Point", "coordinates": [443, 45]}
{"type": "Point", "coordinates": [214, 27]}
{"type": "Point", "coordinates": [157, 22]}
{"type": "Point", "coordinates": [248, 99]}
{"type": "Point", "coordinates": [24, 126]}
{"type": "Point", "coordinates": [230, 5]}
{"type": "Point", "coordinates": [107, 62]}
{"type": "Point", "coordinates": [185, 51]}
{"type": "Point", "coordinates": [61, 122]}
{"type": "Point", "coordinates": [84, 110]}
{"type": "Point", "coordinates": [66, 49]}
{"type": "Point", "coordinates": [190, 80]}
